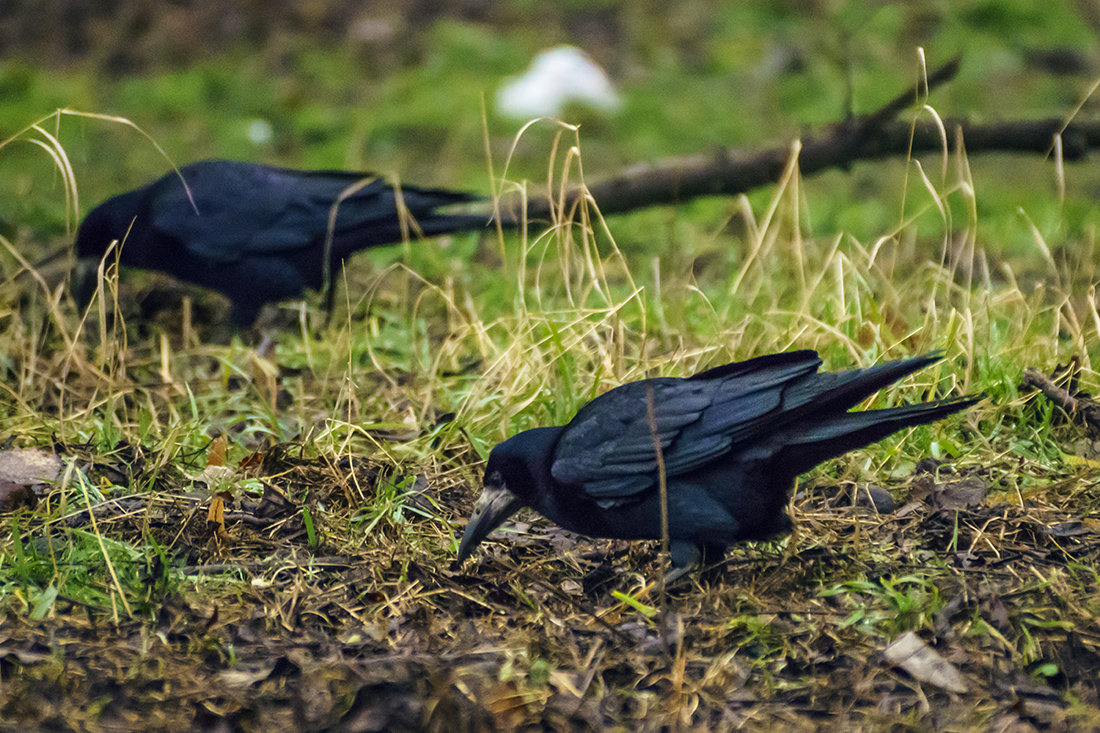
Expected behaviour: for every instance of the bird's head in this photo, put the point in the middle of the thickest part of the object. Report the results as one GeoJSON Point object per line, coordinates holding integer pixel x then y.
{"type": "Point", "coordinates": [516, 471]}
{"type": "Point", "coordinates": [105, 225]}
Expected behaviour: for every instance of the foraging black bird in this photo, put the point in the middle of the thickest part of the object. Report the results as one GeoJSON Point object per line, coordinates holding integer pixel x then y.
{"type": "Point", "coordinates": [733, 439]}
{"type": "Point", "coordinates": [255, 233]}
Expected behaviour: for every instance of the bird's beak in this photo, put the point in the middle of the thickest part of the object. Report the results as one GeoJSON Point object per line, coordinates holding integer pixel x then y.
{"type": "Point", "coordinates": [495, 504]}
{"type": "Point", "coordinates": [84, 281]}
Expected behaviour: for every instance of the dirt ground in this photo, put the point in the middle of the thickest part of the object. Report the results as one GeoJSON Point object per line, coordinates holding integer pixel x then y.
{"type": "Point", "coordinates": [307, 607]}
{"type": "Point", "coordinates": [532, 634]}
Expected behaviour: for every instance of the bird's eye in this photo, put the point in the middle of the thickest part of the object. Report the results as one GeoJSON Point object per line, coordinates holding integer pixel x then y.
{"type": "Point", "coordinates": [494, 479]}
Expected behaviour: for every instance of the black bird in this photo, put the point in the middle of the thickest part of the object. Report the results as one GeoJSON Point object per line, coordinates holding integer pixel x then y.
{"type": "Point", "coordinates": [733, 439]}
{"type": "Point", "coordinates": [255, 233]}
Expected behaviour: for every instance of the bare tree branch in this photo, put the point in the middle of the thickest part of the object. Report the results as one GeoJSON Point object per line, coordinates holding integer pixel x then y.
{"type": "Point", "coordinates": [1075, 406]}
{"type": "Point", "coordinates": [730, 171]}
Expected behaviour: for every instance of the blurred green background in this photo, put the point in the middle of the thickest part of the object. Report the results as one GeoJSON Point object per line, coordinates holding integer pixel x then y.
{"type": "Point", "coordinates": [398, 88]}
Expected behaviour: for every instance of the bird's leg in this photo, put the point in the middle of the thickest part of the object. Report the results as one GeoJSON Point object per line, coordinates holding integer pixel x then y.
{"type": "Point", "coordinates": [266, 347]}
{"type": "Point", "coordinates": [685, 558]}
{"type": "Point", "coordinates": [711, 562]}
{"type": "Point", "coordinates": [792, 539]}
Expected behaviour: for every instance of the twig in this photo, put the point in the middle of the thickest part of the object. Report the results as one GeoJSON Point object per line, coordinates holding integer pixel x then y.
{"type": "Point", "coordinates": [251, 519]}
{"type": "Point", "coordinates": [1087, 410]}
{"type": "Point", "coordinates": [271, 563]}
{"type": "Point", "coordinates": [734, 170]}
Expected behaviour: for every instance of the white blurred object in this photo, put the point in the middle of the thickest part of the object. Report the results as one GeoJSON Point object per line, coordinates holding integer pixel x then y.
{"type": "Point", "coordinates": [260, 131]}
{"type": "Point", "coordinates": [556, 77]}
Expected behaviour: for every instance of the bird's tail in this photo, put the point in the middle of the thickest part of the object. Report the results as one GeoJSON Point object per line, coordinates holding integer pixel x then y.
{"type": "Point", "coordinates": [434, 225]}
{"type": "Point", "coordinates": [808, 443]}
{"type": "Point", "coordinates": [829, 391]}
{"type": "Point", "coordinates": [473, 211]}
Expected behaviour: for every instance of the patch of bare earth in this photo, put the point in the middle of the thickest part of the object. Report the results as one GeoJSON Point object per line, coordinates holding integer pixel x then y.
{"type": "Point", "coordinates": [281, 627]}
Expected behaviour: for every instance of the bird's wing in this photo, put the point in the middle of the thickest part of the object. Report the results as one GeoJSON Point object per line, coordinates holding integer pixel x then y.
{"type": "Point", "coordinates": [230, 209]}
{"type": "Point", "coordinates": [607, 449]}
{"type": "Point", "coordinates": [220, 209]}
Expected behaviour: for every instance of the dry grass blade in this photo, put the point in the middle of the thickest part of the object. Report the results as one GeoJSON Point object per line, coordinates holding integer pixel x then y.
{"type": "Point", "coordinates": [662, 489]}
{"type": "Point", "coordinates": [338, 607]}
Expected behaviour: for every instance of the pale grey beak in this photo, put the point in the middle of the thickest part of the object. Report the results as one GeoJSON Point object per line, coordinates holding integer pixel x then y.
{"type": "Point", "coordinates": [495, 504]}
{"type": "Point", "coordinates": [84, 281]}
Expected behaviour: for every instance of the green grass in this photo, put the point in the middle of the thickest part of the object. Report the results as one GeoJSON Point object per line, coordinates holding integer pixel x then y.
{"type": "Point", "coordinates": [376, 425]}
{"type": "Point", "coordinates": [499, 336]}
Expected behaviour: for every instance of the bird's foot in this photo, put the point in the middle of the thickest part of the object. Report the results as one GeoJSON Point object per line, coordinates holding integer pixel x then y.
{"type": "Point", "coordinates": [685, 557]}
{"type": "Point", "coordinates": [266, 347]}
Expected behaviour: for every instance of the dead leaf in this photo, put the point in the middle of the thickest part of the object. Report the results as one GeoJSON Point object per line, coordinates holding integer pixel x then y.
{"type": "Point", "coordinates": [245, 678]}
{"type": "Point", "coordinates": [572, 587]}
{"type": "Point", "coordinates": [924, 663]}
{"type": "Point", "coordinates": [215, 477]}
{"type": "Point", "coordinates": [962, 494]}
{"type": "Point", "coordinates": [1070, 528]}
{"type": "Point", "coordinates": [921, 487]}
{"type": "Point", "coordinates": [908, 509]}
{"type": "Point", "coordinates": [994, 611]}
{"type": "Point", "coordinates": [14, 496]}
{"type": "Point", "coordinates": [215, 454]}
{"type": "Point", "coordinates": [215, 517]}
{"type": "Point", "coordinates": [273, 503]}
{"type": "Point", "coordinates": [251, 463]}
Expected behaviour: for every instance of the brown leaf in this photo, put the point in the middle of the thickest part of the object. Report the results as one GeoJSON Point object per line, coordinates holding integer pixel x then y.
{"type": "Point", "coordinates": [961, 494]}
{"type": "Point", "coordinates": [251, 463]}
{"type": "Point", "coordinates": [13, 496]}
{"type": "Point", "coordinates": [215, 454]}
{"type": "Point", "coordinates": [216, 513]}
{"type": "Point", "coordinates": [215, 517]}
{"type": "Point", "coordinates": [994, 611]}
{"type": "Point", "coordinates": [273, 503]}
{"type": "Point", "coordinates": [921, 487]}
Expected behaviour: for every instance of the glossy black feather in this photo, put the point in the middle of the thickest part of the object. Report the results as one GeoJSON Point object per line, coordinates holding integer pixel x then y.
{"type": "Point", "coordinates": [257, 234]}
{"type": "Point", "coordinates": [733, 439]}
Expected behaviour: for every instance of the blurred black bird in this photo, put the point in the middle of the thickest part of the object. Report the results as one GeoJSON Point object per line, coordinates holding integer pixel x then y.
{"type": "Point", "coordinates": [732, 438]}
{"type": "Point", "coordinates": [258, 234]}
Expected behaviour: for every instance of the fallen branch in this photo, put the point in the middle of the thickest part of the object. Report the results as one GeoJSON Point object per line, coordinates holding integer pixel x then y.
{"type": "Point", "coordinates": [731, 171]}
{"type": "Point", "coordinates": [1086, 409]}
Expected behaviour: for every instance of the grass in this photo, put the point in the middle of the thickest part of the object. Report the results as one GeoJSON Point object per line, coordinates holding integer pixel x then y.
{"type": "Point", "coordinates": [374, 427]}
{"type": "Point", "coordinates": [363, 440]}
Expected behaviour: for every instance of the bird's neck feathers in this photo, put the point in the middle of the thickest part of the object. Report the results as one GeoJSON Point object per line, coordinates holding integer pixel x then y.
{"type": "Point", "coordinates": [106, 223]}
{"type": "Point", "coordinates": [524, 461]}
